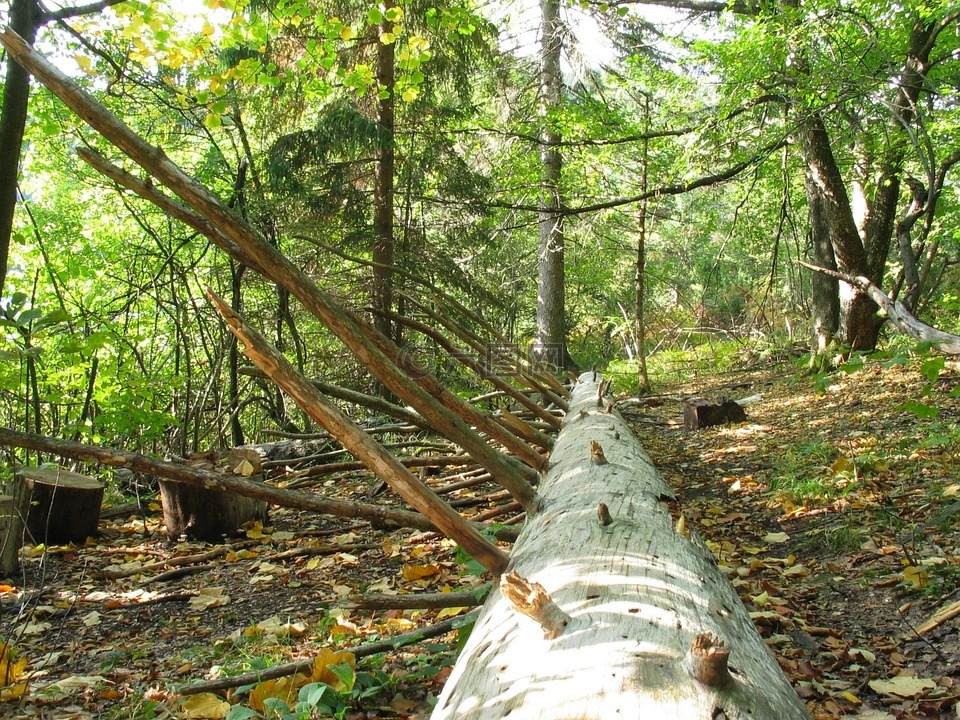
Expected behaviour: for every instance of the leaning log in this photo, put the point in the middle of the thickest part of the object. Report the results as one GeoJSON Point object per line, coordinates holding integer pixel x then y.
{"type": "Point", "coordinates": [361, 445]}
{"type": "Point", "coordinates": [607, 611]}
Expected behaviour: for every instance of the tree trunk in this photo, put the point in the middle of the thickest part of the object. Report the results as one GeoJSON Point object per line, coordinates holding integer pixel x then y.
{"type": "Point", "coordinates": [550, 345]}
{"type": "Point", "coordinates": [612, 612]}
{"type": "Point", "coordinates": [640, 323]}
{"type": "Point", "coordinates": [25, 18]}
{"type": "Point", "coordinates": [830, 202]}
{"type": "Point", "coordinates": [825, 290]}
{"type": "Point", "coordinates": [383, 243]}
{"type": "Point", "coordinates": [13, 511]}
{"type": "Point", "coordinates": [210, 515]}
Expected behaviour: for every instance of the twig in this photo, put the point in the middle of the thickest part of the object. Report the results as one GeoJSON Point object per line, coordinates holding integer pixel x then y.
{"type": "Point", "coordinates": [419, 601]}
{"type": "Point", "coordinates": [277, 671]}
{"type": "Point", "coordinates": [178, 561]}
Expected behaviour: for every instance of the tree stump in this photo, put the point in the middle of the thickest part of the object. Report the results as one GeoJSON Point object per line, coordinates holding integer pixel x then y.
{"type": "Point", "coordinates": [64, 506]}
{"type": "Point", "coordinates": [209, 515]}
{"type": "Point", "coordinates": [12, 516]}
{"type": "Point", "coordinates": [700, 413]}
{"type": "Point", "coordinates": [609, 610]}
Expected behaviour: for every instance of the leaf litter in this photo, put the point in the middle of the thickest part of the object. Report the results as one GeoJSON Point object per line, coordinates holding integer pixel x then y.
{"type": "Point", "coordinates": [833, 512]}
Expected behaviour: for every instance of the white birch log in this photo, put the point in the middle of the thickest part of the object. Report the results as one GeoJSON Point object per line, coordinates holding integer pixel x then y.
{"type": "Point", "coordinates": [612, 613]}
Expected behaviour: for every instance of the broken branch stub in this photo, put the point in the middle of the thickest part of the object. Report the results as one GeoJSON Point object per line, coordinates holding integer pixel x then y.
{"type": "Point", "coordinates": [530, 599]}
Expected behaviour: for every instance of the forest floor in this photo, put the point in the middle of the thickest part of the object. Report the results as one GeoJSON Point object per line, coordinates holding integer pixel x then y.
{"type": "Point", "coordinates": [834, 510]}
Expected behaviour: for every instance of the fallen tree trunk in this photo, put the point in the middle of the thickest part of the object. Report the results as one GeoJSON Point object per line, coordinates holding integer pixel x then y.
{"type": "Point", "coordinates": [608, 611]}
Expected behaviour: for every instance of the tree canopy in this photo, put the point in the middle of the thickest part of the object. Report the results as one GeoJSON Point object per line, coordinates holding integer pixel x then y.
{"type": "Point", "coordinates": [754, 137]}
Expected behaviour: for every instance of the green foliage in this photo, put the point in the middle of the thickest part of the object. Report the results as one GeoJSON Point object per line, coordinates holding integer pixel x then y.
{"type": "Point", "coordinates": [359, 689]}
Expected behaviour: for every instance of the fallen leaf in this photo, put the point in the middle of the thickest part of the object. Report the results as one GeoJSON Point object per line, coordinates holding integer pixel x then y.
{"type": "Point", "coordinates": [205, 706]}
{"type": "Point", "coordinates": [916, 576]}
{"type": "Point", "coordinates": [863, 654]}
{"type": "Point", "coordinates": [321, 667]}
{"type": "Point", "coordinates": [209, 598]}
{"type": "Point", "coordinates": [903, 686]}
{"type": "Point", "coordinates": [416, 572]}
{"type": "Point", "coordinates": [284, 689]}
{"type": "Point", "coordinates": [776, 537]}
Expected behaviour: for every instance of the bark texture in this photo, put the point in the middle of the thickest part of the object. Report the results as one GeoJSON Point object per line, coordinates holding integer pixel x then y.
{"type": "Point", "coordinates": [643, 619]}
{"type": "Point", "coordinates": [550, 345]}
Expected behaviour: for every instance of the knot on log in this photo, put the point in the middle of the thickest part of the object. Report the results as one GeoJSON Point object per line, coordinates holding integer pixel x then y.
{"type": "Point", "coordinates": [603, 514]}
{"type": "Point", "coordinates": [531, 599]}
{"type": "Point", "coordinates": [707, 661]}
{"type": "Point", "coordinates": [596, 453]}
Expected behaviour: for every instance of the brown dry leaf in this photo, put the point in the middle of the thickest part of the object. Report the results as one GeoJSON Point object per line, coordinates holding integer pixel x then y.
{"type": "Point", "coordinates": [209, 598]}
{"type": "Point", "coordinates": [903, 686]}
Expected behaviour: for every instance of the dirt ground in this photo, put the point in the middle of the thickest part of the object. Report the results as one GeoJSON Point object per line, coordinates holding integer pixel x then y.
{"type": "Point", "coordinates": [834, 510]}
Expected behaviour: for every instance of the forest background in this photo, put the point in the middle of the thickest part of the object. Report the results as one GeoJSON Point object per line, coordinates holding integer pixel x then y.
{"type": "Point", "coordinates": [602, 183]}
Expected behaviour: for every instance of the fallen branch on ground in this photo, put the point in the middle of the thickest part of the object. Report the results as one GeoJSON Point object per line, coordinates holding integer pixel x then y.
{"type": "Point", "coordinates": [277, 671]}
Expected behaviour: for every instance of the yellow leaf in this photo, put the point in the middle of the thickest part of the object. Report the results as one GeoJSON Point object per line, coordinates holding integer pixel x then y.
{"type": "Point", "coordinates": [244, 467]}
{"type": "Point", "coordinates": [850, 697]}
{"type": "Point", "coordinates": [255, 531]}
{"type": "Point", "coordinates": [387, 38]}
{"type": "Point", "coordinates": [841, 465]}
{"type": "Point", "coordinates": [84, 62]}
{"type": "Point", "coordinates": [450, 612]}
{"type": "Point", "coordinates": [778, 537]}
{"type": "Point", "coordinates": [416, 572]}
{"type": "Point", "coordinates": [916, 576]}
{"type": "Point", "coordinates": [321, 667]}
{"type": "Point", "coordinates": [348, 33]}
{"type": "Point", "coordinates": [951, 490]}
{"type": "Point", "coordinates": [11, 669]}
{"type": "Point", "coordinates": [205, 706]}
{"type": "Point", "coordinates": [284, 688]}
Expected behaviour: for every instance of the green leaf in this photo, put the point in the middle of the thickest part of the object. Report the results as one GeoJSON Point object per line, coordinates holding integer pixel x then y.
{"type": "Point", "coordinates": [920, 410]}
{"type": "Point", "coordinates": [374, 16]}
{"type": "Point", "coordinates": [931, 368]}
{"type": "Point", "coordinates": [346, 674]}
